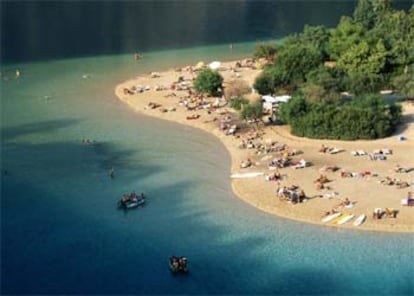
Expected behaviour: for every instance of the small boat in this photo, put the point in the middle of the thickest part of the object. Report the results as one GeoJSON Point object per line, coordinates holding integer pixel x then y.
{"type": "Point", "coordinates": [331, 217]}
{"type": "Point", "coordinates": [129, 204]}
{"type": "Point", "coordinates": [131, 201]}
{"type": "Point", "coordinates": [178, 264]}
{"type": "Point", "coordinates": [360, 220]}
{"type": "Point", "coordinates": [345, 219]}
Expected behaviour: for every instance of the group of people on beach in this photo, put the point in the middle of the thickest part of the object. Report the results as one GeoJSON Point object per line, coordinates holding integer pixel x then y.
{"type": "Point", "coordinates": [292, 194]}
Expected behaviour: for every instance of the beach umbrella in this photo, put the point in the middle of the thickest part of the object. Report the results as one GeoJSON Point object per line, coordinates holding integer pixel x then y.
{"type": "Point", "coordinates": [214, 65]}
{"type": "Point", "coordinates": [200, 65]}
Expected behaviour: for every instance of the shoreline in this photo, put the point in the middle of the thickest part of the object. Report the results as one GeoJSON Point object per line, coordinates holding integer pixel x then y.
{"type": "Point", "coordinates": [366, 192]}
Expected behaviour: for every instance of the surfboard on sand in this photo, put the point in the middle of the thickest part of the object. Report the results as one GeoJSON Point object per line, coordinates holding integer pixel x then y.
{"type": "Point", "coordinates": [246, 175]}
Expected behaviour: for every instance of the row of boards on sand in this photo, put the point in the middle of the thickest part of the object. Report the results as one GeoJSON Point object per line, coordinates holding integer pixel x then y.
{"type": "Point", "coordinates": [336, 218]}
{"type": "Point", "coordinates": [339, 218]}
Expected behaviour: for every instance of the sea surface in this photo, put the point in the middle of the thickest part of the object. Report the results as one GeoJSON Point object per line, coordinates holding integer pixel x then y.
{"type": "Point", "coordinates": [61, 231]}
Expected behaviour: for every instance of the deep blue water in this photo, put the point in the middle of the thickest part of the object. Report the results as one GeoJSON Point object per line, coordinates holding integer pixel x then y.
{"type": "Point", "coordinates": [62, 234]}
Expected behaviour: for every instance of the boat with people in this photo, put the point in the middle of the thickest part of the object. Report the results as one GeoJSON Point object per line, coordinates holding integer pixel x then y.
{"type": "Point", "coordinates": [178, 264]}
{"type": "Point", "coordinates": [131, 201]}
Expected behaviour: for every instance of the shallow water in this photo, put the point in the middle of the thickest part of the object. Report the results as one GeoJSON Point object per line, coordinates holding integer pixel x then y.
{"type": "Point", "coordinates": [62, 233]}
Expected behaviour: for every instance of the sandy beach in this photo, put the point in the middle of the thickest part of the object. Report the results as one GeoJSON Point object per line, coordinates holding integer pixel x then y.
{"type": "Point", "coordinates": [152, 95]}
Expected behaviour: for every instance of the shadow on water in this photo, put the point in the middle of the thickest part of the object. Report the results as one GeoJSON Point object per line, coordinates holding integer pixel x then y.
{"type": "Point", "coordinates": [12, 133]}
{"type": "Point", "coordinates": [62, 233]}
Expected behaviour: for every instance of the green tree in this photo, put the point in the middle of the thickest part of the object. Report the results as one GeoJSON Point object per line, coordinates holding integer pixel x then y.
{"type": "Point", "coordinates": [404, 84]}
{"type": "Point", "coordinates": [364, 59]}
{"type": "Point", "coordinates": [297, 61]}
{"type": "Point", "coordinates": [364, 14]}
{"type": "Point", "coordinates": [346, 35]}
{"type": "Point", "coordinates": [266, 50]}
{"type": "Point", "coordinates": [209, 81]}
{"type": "Point", "coordinates": [264, 84]}
{"type": "Point", "coordinates": [316, 36]}
{"type": "Point", "coordinates": [359, 83]}
{"type": "Point", "coordinates": [292, 110]}
{"type": "Point", "coordinates": [397, 31]}
{"type": "Point", "coordinates": [272, 80]}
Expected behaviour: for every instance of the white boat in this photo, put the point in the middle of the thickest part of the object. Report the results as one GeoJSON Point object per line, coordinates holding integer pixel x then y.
{"type": "Point", "coordinates": [345, 219]}
{"type": "Point", "coordinates": [246, 175]}
{"type": "Point", "coordinates": [360, 220]}
{"type": "Point", "coordinates": [331, 217]}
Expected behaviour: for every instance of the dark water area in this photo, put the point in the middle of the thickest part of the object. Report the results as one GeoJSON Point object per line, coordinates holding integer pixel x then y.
{"type": "Point", "coordinates": [41, 30]}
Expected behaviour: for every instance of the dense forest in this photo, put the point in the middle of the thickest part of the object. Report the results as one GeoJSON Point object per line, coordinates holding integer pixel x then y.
{"type": "Point", "coordinates": [335, 75]}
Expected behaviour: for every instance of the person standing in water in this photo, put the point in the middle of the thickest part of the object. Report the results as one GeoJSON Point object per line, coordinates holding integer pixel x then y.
{"type": "Point", "coordinates": [112, 173]}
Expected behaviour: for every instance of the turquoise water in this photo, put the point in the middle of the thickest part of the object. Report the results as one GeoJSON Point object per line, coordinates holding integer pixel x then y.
{"type": "Point", "coordinates": [62, 233]}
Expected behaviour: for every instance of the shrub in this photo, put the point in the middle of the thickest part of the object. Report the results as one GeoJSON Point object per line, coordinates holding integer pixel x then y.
{"type": "Point", "coordinates": [237, 103]}
{"type": "Point", "coordinates": [209, 81]}
{"type": "Point", "coordinates": [266, 50]}
{"type": "Point", "coordinates": [368, 117]}
{"type": "Point", "coordinates": [252, 111]}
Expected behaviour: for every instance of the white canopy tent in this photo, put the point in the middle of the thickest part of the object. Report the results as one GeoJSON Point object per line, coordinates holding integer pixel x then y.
{"type": "Point", "coordinates": [269, 102]}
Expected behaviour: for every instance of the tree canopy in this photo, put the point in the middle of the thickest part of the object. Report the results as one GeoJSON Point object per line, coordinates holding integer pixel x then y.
{"type": "Point", "coordinates": [209, 81]}
{"type": "Point", "coordinates": [369, 51]}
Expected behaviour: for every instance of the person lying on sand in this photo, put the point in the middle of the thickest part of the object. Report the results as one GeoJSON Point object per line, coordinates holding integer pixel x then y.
{"type": "Point", "coordinates": [329, 168]}
{"type": "Point", "coordinates": [402, 184]}
{"type": "Point", "coordinates": [346, 202]}
{"type": "Point", "coordinates": [327, 213]}
{"type": "Point", "coordinates": [322, 179]}
{"type": "Point", "coordinates": [387, 181]}
{"type": "Point", "coordinates": [400, 169]}
{"type": "Point", "coordinates": [276, 176]}
{"type": "Point", "coordinates": [246, 164]}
